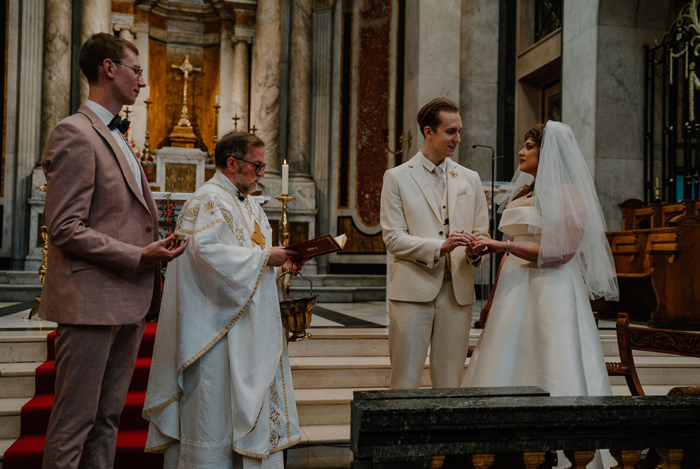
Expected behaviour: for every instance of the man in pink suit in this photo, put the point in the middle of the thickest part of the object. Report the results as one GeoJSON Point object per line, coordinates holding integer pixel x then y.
{"type": "Point", "coordinates": [103, 273]}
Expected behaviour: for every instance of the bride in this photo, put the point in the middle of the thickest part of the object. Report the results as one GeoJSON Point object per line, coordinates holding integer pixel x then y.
{"type": "Point", "coordinates": [541, 330]}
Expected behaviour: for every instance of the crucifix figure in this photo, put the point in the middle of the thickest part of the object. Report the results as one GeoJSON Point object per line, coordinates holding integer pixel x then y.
{"type": "Point", "coordinates": [186, 68]}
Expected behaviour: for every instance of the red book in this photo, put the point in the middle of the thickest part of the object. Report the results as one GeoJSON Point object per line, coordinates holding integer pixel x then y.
{"type": "Point", "coordinates": [317, 247]}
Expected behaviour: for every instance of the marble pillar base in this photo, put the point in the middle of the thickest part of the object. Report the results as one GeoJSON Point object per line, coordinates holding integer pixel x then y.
{"type": "Point", "coordinates": [37, 202]}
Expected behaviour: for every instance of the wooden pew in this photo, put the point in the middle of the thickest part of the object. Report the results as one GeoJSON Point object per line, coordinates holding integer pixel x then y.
{"type": "Point", "coordinates": [636, 216]}
{"type": "Point", "coordinates": [659, 271]}
{"type": "Point", "coordinates": [651, 340]}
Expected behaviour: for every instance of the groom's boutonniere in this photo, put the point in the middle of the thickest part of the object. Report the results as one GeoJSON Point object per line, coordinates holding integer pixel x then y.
{"type": "Point", "coordinates": [453, 173]}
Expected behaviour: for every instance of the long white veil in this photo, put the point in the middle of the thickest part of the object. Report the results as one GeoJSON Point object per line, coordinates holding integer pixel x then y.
{"type": "Point", "coordinates": [573, 222]}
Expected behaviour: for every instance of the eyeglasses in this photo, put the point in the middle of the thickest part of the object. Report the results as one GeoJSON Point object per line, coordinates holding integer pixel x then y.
{"type": "Point", "coordinates": [138, 71]}
{"type": "Point", "coordinates": [258, 166]}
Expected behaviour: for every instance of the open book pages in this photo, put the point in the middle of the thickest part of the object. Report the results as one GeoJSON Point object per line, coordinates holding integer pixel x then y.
{"type": "Point", "coordinates": [341, 240]}
{"type": "Point", "coordinates": [317, 247]}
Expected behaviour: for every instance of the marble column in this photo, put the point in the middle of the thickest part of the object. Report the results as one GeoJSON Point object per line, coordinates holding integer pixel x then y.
{"type": "Point", "coordinates": [322, 64]}
{"type": "Point", "coordinates": [299, 142]}
{"type": "Point", "coordinates": [29, 121]}
{"type": "Point", "coordinates": [138, 128]}
{"type": "Point", "coordinates": [57, 66]}
{"type": "Point", "coordinates": [125, 32]}
{"type": "Point", "coordinates": [96, 18]}
{"type": "Point", "coordinates": [479, 84]}
{"type": "Point", "coordinates": [226, 69]}
{"type": "Point", "coordinates": [240, 82]}
{"type": "Point", "coordinates": [433, 25]}
{"type": "Point", "coordinates": [603, 91]}
{"type": "Point", "coordinates": [265, 99]}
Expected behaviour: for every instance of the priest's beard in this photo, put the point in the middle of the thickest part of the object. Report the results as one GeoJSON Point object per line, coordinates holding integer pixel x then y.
{"type": "Point", "coordinates": [248, 187]}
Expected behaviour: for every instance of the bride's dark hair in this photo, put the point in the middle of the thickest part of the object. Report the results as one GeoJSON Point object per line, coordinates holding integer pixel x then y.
{"type": "Point", "coordinates": [534, 133]}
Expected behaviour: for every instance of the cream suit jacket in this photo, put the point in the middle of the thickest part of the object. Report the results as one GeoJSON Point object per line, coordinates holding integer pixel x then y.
{"type": "Point", "coordinates": [412, 228]}
{"type": "Point", "coordinates": [98, 223]}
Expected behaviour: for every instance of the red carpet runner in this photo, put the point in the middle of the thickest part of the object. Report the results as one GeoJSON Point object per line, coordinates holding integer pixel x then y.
{"type": "Point", "coordinates": [27, 451]}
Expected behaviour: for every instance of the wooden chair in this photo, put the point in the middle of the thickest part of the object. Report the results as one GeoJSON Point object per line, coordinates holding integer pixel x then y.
{"type": "Point", "coordinates": [651, 340]}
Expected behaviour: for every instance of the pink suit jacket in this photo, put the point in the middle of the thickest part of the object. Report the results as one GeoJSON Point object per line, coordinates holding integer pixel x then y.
{"type": "Point", "coordinates": [98, 223]}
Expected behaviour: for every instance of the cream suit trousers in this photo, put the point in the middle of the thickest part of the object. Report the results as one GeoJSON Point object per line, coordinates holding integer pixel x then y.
{"type": "Point", "coordinates": [444, 325]}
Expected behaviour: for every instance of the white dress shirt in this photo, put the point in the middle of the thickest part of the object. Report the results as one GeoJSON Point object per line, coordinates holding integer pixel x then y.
{"type": "Point", "coordinates": [106, 117]}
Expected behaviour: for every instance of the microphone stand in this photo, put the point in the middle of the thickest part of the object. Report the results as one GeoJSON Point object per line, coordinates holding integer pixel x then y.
{"type": "Point", "coordinates": [492, 260]}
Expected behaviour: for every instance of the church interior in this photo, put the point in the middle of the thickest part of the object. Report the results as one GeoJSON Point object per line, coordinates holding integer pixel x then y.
{"type": "Point", "coordinates": [333, 88]}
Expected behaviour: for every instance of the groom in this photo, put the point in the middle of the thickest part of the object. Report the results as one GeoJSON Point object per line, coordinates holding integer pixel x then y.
{"type": "Point", "coordinates": [432, 211]}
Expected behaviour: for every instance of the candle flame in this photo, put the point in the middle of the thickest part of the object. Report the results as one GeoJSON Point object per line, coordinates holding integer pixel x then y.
{"type": "Point", "coordinates": [285, 161]}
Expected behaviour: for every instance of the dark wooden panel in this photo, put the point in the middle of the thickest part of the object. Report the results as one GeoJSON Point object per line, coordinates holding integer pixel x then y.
{"type": "Point", "coordinates": [298, 232]}
{"type": "Point", "coordinates": [358, 242]}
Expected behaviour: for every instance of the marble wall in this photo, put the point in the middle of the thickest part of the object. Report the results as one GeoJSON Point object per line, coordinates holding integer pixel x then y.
{"type": "Point", "coordinates": [603, 90]}
{"type": "Point", "coordinates": [479, 83]}
{"type": "Point", "coordinates": [432, 69]}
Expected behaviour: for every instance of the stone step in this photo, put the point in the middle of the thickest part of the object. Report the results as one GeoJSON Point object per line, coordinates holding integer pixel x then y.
{"type": "Point", "coordinates": [321, 447]}
{"type": "Point", "coordinates": [19, 292]}
{"type": "Point", "coordinates": [17, 379]}
{"type": "Point", "coordinates": [345, 342]}
{"type": "Point", "coordinates": [374, 372]}
{"type": "Point", "coordinates": [341, 294]}
{"type": "Point", "coordinates": [10, 409]}
{"type": "Point", "coordinates": [5, 443]}
{"type": "Point", "coordinates": [23, 346]}
{"type": "Point", "coordinates": [19, 277]}
{"type": "Point", "coordinates": [331, 280]}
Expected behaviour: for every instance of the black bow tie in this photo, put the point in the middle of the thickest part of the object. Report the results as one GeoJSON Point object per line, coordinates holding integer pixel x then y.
{"type": "Point", "coordinates": [118, 123]}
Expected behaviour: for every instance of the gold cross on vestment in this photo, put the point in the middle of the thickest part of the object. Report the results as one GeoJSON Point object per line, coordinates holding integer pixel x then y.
{"type": "Point", "coordinates": [258, 237]}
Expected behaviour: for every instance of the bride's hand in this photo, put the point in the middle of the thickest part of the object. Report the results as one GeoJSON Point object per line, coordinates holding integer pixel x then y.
{"type": "Point", "coordinates": [488, 246]}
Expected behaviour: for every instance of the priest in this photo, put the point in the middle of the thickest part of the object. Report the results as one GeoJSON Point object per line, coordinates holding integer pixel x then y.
{"type": "Point", "coordinates": [220, 390]}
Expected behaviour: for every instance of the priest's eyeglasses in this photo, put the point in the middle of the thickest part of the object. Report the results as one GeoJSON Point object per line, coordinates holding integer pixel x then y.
{"type": "Point", "coordinates": [137, 70]}
{"type": "Point", "coordinates": [258, 166]}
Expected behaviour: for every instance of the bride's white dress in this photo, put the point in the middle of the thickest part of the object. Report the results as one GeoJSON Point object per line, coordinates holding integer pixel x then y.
{"type": "Point", "coordinates": [540, 330]}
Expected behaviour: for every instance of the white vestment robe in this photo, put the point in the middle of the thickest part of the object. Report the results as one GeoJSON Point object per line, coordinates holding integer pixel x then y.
{"type": "Point", "coordinates": [220, 392]}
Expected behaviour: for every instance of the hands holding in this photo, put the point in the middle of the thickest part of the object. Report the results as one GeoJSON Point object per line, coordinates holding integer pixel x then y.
{"type": "Point", "coordinates": [164, 250]}
{"type": "Point", "coordinates": [279, 256]}
{"type": "Point", "coordinates": [295, 267]}
{"type": "Point", "coordinates": [485, 246]}
{"type": "Point", "coordinates": [471, 243]}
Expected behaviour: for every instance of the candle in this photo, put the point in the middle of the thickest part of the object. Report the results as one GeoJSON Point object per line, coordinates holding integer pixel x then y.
{"type": "Point", "coordinates": [285, 178]}
{"type": "Point", "coordinates": [217, 99]}
{"type": "Point", "coordinates": [148, 92]}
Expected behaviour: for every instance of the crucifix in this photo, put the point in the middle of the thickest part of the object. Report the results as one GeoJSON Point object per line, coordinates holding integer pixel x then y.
{"type": "Point", "coordinates": [186, 68]}
{"type": "Point", "coordinates": [235, 121]}
{"type": "Point", "coordinates": [253, 130]}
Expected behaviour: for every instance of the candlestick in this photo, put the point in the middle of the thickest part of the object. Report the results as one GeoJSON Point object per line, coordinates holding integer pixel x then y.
{"type": "Point", "coordinates": [284, 233]}
{"type": "Point", "coordinates": [285, 178]}
{"type": "Point", "coordinates": [146, 153]}
{"type": "Point", "coordinates": [216, 130]}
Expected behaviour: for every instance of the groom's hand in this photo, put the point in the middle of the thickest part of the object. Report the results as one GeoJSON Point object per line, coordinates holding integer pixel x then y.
{"type": "Point", "coordinates": [456, 239]}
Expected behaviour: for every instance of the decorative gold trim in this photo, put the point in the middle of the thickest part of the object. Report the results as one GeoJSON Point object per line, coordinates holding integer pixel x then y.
{"type": "Point", "coordinates": [150, 410]}
{"type": "Point", "coordinates": [284, 391]}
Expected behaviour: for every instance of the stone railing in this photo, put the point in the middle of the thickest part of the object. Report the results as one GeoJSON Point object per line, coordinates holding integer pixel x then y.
{"type": "Point", "coordinates": [478, 427]}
